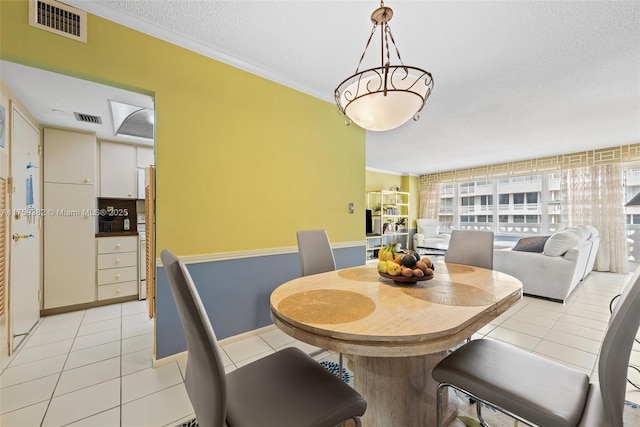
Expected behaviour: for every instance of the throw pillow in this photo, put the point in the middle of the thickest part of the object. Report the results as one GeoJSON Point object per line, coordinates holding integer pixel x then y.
{"type": "Point", "coordinates": [531, 244]}
{"type": "Point", "coordinates": [559, 243]}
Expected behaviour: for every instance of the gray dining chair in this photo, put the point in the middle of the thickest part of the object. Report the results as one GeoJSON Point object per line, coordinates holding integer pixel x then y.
{"type": "Point", "coordinates": [286, 388]}
{"type": "Point", "coordinates": [471, 247]}
{"type": "Point", "coordinates": [316, 255]}
{"type": "Point", "coordinates": [542, 392]}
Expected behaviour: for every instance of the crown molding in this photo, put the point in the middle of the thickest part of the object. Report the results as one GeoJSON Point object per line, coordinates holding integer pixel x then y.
{"type": "Point", "coordinates": [189, 43]}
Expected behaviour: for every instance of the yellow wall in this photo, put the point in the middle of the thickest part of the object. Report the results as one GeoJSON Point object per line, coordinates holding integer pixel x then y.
{"type": "Point", "coordinates": [242, 162]}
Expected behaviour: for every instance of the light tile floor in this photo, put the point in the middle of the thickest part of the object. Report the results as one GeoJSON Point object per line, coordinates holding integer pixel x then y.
{"type": "Point", "coordinates": [94, 367]}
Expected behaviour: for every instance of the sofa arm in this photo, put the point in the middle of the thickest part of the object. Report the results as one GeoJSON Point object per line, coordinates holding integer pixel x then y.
{"type": "Point", "coordinates": [445, 237]}
{"type": "Point", "coordinates": [541, 275]}
{"type": "Point", "coordinates": [417, 240]}
{"type": "Point", "coordinates": [571, 255]}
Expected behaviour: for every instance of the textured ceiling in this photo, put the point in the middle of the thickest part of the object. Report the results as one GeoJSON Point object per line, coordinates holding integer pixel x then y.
{"type": "Point", "coordinates": [513, 79]}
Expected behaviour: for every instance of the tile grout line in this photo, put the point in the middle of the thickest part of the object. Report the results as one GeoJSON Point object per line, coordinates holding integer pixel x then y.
{"type": "Point", "coordinates": [53, 392]}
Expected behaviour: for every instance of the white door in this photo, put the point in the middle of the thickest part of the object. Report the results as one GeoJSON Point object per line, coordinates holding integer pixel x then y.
{"type": "Point", "coordinates": [25, 227]}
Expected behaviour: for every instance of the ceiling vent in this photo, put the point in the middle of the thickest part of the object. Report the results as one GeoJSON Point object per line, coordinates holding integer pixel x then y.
{"type": "Point", "coordinates": [88, 118]}
{"type": "Point", "coordinates": [58, 18]}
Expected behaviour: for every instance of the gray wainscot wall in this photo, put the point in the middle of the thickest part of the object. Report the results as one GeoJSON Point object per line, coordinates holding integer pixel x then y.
{"type": "Point", "coordinates": [235, 293]}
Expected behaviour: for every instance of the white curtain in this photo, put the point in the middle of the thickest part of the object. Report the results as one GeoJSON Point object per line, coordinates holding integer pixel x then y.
{"type": "Point", "coordinates": [594, 195]}
{"type": "Point", "coordinates": [429, 201]}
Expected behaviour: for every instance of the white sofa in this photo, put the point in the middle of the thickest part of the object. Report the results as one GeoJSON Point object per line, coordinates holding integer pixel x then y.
{"type": "Point", "coordinates": [551, 266]}
{"type": "Point", "coordinates": [428, 234]}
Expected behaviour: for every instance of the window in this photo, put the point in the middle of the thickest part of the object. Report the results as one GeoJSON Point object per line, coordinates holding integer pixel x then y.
{"type": "Point", "coordinates": [467, 187]}
{"type": "Point", "coordinates": [633, 219]}
{"type": "Point", "coordinates": [467, 201]}
{"type": "Point", "coordinates": [632, 187]}
{"type": "Point", "coordinates": [532, 219]}
{"type": "Point", "coordinates": [527, 204]}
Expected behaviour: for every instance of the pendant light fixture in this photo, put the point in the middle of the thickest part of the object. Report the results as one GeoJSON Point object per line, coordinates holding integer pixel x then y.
{"type": "Point", "coordinates": [384, 97]}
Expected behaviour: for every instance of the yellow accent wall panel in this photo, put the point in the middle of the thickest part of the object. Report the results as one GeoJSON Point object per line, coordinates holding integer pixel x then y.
{"type": "Point", "coordinates": [241, 162]}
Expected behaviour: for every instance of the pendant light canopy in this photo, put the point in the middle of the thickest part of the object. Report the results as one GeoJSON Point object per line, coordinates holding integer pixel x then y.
{"type": "Point", "coordinates": [384, 97]}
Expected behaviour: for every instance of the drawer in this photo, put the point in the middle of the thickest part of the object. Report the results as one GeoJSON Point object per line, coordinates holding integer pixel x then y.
{"type": "Point", "coordinates": [108, 245]}
{"type": "Point", "coordinates": [117, 275]}
{"type": "Point", "coordinates": [125, 259]}
{"type": "Point", "coordinates": [117, 290]}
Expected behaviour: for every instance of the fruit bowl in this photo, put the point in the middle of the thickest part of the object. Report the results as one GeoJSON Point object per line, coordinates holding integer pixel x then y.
{"type": "Point", "coordinates": [404, 280]}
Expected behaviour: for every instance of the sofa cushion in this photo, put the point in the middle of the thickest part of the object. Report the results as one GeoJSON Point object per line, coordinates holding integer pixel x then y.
{"type": "Point", "coordinates": [559, 243]}
{"type": "Point", "coordinates": [531, 244]}
{"type": "Point", "coordinates": [428, 227]}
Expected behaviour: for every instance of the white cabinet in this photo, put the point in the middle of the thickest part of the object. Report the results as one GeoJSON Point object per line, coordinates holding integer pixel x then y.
{"type": "Point", "coordinates": [117, 260]}
{"type": "Point", "coordinates": [69, 157]}
{"type": "Point", "coordinates": [118, 173]}
{"type": "Point", "coordinates": [69, 262]}
{"type": "Point", "coordinates": [69, 171]}
{"type": "Point", "coordinates": [144, 157]}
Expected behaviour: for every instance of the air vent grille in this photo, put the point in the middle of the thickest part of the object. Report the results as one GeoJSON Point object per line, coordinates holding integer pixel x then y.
{"type": "Point", "coordinates": [88, 118]}
{"type": "Point", "coordinates": [58, 18]}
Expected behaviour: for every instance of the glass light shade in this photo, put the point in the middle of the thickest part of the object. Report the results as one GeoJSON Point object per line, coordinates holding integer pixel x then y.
{"type": "Point", "coordinates": [364, 102]}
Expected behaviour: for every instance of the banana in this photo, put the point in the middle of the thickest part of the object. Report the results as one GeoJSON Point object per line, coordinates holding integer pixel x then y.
{"type": "Point", "coordinates": [387, 253]}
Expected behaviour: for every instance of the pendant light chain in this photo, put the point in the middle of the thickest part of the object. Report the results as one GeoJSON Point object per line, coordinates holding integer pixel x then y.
{"type": "Point", "coordinates": [394, 45]}
{"type": "Point", "coordinates": [373, 31]}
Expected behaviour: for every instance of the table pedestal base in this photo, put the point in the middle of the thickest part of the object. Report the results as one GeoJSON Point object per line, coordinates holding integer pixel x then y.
{"type": "Point", "coordinates": [400, 390]}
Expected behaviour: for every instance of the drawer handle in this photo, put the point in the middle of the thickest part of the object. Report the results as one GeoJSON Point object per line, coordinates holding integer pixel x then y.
{"type": "Point", "coordinates": [117, 260]}
{"type": "Point", "coordinates": [118, 291]}
{"type": "Point", "coordinates": [87, 180]}
{"type": "Point", "coordinates": [117, 245]}
{"type": "Point", "coordinates": [118, 276]}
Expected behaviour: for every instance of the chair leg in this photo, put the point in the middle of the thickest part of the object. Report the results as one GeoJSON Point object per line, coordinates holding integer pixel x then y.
{"type": "Point", "coordinates": [441, 388]}
{"type": "Point", "coordinates": [479, 401]}
{"type": "Point", "coordinates": [479, 413]}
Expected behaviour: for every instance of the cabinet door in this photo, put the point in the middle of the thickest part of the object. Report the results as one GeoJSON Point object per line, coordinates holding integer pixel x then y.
{"type": "Point", "coordinates": [69, 245]}
{"type": "Point", "coordinates": [69, 157]}
{"type": "Point", "coordinates": [110, 245]}
{"type": "Point", "coordinates": [118, 175]}
{"type": "Point", "coordinates": [144, 157]}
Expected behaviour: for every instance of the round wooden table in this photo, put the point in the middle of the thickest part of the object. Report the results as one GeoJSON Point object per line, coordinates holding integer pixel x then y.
{"type": "Point", "coordinates": [394, 333]}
